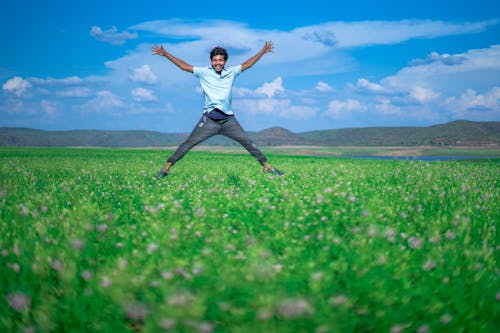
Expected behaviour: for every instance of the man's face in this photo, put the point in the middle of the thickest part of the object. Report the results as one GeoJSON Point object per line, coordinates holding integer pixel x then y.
{"type": "Point", "coordinates": [218, 63]}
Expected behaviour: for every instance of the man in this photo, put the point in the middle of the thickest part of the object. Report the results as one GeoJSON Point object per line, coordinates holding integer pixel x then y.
{"type": "Point", "coordinates": [217, 118]}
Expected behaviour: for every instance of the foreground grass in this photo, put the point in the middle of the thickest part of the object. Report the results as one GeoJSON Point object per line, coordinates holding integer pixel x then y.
{"type": "Point", "coordinates": [89, 242]}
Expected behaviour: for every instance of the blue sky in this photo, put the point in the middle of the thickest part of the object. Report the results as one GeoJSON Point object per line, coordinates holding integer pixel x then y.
{"type": "Point", "coordinates": [88, 64]}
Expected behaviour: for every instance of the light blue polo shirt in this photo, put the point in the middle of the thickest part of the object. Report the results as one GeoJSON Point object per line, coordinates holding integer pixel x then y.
{"type": "Point", "coordinates": [217, 89]}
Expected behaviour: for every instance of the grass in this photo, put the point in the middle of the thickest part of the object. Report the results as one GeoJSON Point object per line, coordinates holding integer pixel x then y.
{"type": "Point", "coordinates": [90, 242]}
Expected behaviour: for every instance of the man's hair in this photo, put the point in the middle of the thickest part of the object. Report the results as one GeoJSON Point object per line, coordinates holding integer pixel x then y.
{"type": "Point", "coordinates": [219, 51]}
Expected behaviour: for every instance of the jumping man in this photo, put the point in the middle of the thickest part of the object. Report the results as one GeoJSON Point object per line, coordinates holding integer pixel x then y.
{"type": "Point", "coordinates": [217, 118]}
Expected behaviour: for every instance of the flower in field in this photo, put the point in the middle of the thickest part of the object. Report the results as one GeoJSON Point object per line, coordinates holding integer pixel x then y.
{"type": "Point", "coordinates": [56, 264]}
{"type": "Point", "coordinates": [445, 318]}
{"type": "Point", "coordinates": [181, 299]}
{"type": "Point", "coordinates": [86, 275]}
{"type": "Point", "coordinates": [372, 231]}
{"type": "Point", "coordinates": [498, 296]}
{"type": "Point", "coordinates": [24, 210]}
{"type": "Point", "coordinates": [168, 323]}
{"type": "Point", "coordinates": [382, 259]}
{"type": "Point", "coordinates": [264, 315]}
{"type": "Point", "coordinates": [355, 230]}
{"type": "Point", "coordinates": [390, 235]}
{"type": "Point", "coordinates": [201, 327]}
{"type": "Point", "coordinates": [435, 239]}
{"type": "Point", "coordinates": [136, 312]}
{"type": "Point", "coordinates": [77, 244]}
{"type": "Point", "coordinates": [429, 265]}
{"type": "Point", "coordinates": [423, 329]}
{"type": "Point", "coordinates": [398, 328]}
{"type": "Point", "coordinates": [316, 276]}
{"type": "Point", "coordinates": [102, 227]}
{"type": "Point", "coordinates": [173, 234]}
{"type": "Point", "coordinates": [182, 272]}
{"type": "Point", "coordinates": [415, 243]}
{"type": "Point", "coordinates": [338, 300]}
{"type": "Point", "coordinates": [122, 263]}
{"type": "Point", "coordinates": [30, 329]}
{"type": "Point", "coordinates": [449, 234]}
{"type": "Point", "coordinates": [19, 301]}
{"type": "Point", "coordinates": [14, 266]}
{"type": "Point", "coordinates": [105, 282]}
{"type": "Point", "coordinates": [152, 247]}
{"type": "Point", "coordinates": [294, 308]}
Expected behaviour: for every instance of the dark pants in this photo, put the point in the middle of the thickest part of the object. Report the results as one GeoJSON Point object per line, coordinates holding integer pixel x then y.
{"type": "Point", "coordinates": [206, 128]}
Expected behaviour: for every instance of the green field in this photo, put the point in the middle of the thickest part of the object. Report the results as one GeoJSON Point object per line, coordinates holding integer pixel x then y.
{"type": "Point", "coordinates": [91, 243]}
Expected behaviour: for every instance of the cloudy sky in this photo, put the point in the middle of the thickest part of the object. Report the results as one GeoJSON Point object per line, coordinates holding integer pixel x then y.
{"type": "Point", "coordinates": [88, 64]}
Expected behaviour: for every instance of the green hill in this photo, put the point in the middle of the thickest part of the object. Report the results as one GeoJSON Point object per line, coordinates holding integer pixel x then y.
{"type": "Point", "coordinates": [456, 133]}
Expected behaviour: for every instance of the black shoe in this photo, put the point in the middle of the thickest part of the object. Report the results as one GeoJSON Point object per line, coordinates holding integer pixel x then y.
{"type": "Point", "coordinates": [160, 174]}
{"type": "Point", "coordinates": [277, 172]}
{"type": "Point", "coordinates": [268, 168]}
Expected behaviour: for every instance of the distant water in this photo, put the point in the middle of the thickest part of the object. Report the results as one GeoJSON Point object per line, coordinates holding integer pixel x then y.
{"type": "Point", "coordinates": [423, 158]}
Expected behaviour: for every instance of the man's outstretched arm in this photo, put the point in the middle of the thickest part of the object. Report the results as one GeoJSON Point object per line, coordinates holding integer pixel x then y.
{"type": "Point", "coordinates": [159, 50]}
{"type": "Point", "coordinates": [268, 47]}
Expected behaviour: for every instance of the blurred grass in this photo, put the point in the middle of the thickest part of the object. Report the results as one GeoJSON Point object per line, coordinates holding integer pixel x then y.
{"type": "Point", "coordinates": [90, 242]}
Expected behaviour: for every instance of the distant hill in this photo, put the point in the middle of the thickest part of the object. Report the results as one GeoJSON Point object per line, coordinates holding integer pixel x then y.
{"type": "Point", "coordinates": [456, 133]}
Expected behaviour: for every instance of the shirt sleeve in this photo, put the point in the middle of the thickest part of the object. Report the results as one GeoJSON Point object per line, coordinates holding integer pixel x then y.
{"type": "Point", "coordinates": [237, 70]}
{"type": "Point", "coordinates": [197, 71]}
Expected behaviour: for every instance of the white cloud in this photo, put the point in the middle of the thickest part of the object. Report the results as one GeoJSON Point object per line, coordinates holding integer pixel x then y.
{"type": "Point", "coordinates": [323, 87]}
{"type": "Point", "coordinates": [111, 36]}
{"type": "Point", "coordinates": [481, 68]}
{"type": "Point", "coordinates": [50, 108]}
{"type": "Point", "coordinates": [338, 108]}
{"type": "Point", "coordinates": [75, 92]}
{"type": "Point", "coordinates": [384, 106]}
{"type": "Point", "coordinates": [280, 108]}
{"type": "Point", "coordinates": [363, 33]}
{"type": "Point", "coordinates": [143, 95]}
{"type": "Point", "coordinates": [271, 88]}
{"type": "Point", "coordinates": [103, 101]}
{"type": "Point", "coordinates": [238, 91]}
{"type": "Point", "coordinates": [67, 81]}
{"type": "Point", "coordinates": [471, 101]}
{"type": "Point", "coordinates": [169, 108]}
{"type": "Point", "coordinates": [17, 85]}
{"type": "Point", "coordinates": [445, 59]}
{"type": "Point", "coordinates": [143, 74]}
{"type": "Point", "coordinates": [330, 34]}
{"type": "Point", "coordinates": [423, 95]}
{"type": "Point", "coordinates": [366, 85]}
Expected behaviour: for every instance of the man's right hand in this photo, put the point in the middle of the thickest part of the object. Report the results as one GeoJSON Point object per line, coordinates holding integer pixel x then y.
{"type": "Point", "coordinates": [159, 50]}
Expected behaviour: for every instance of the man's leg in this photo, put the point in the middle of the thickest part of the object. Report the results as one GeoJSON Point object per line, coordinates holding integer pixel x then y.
{"type": "Point", "coordinates": [205, 129]}
{"type": "Point", "coordinates": [233, 130]}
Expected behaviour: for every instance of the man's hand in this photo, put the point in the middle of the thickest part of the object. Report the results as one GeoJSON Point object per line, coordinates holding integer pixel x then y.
{"type": "Point", "coordinates": [159, 50]}
{"type": "Point", "coordinates": [268, 47]}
